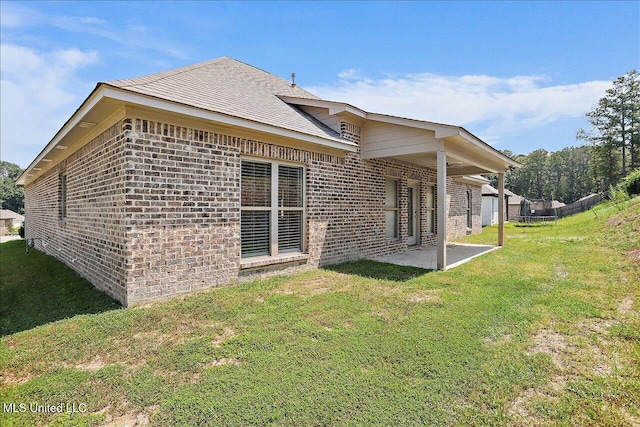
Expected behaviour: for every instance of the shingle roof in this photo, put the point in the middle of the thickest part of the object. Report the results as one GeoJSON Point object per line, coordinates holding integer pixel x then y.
{"type": "Point", "coordinates": [514, 199]}
{"type": "Point", "coordinates": [7, 214]}
{"type": "Point", "coordinates": [488, 190]}
{"type": "Point", "coordinates": [231, 87]}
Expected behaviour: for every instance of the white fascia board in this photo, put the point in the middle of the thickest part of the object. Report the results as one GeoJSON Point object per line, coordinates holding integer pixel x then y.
{"type": "Point", "coordinates": [481, 144]}
{"type": "Point", "coordinates": [212, 116]}
{"type": "Point", "coordinates": [472, 179]}
{"type": "Point", "coordinates": [76, 118]}
{"type": "Point", "coordinates": [333, 106]}
{"type": "Point", "coordinates": [443, 131]}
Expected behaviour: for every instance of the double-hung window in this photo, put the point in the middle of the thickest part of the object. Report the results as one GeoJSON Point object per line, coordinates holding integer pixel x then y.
{"type": "Point", "coordinates": [431, 209]}
{"type": "Point", "coordinates": [391, 209]}
{"type": "Point", "coordinates": [272, 208]}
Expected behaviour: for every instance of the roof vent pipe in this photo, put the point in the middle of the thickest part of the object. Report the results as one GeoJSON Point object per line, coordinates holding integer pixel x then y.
{"type": "Point", "coordinates": [293, 79]}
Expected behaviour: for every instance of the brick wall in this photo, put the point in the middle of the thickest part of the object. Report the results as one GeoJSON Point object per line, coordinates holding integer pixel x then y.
{"type": "Point", "coordinates": [182, 209]}
{"type": "Point", "coordinates": [91, 240]}
{"type": "Point", "coordinates": [156, 206]}
{"type": "Point", "coordinates": [457, 209]}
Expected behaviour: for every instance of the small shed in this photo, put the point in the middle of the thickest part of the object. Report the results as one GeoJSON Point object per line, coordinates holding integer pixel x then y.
{"type": "Point", "coordinates": [490, 204]}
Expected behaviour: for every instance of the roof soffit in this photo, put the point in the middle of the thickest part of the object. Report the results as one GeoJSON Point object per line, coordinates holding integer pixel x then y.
{"type": "Point", "coordinates": [106, 102]}
{"type": "Point", "coordinates": [475, 152]}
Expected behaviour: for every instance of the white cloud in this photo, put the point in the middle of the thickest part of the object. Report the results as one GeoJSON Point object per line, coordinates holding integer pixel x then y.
{"type": "Point", "coordinates": [133, 36]}
{"type": "Point", "coordinates": [39, 92]}
{"type": "Point", "coordinates": [490, 107]}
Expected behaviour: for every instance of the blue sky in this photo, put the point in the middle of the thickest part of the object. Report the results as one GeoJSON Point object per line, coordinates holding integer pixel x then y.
{"type": "Point", "coordinates": [520, 75]}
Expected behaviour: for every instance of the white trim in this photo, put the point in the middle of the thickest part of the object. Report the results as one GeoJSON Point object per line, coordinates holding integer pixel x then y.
{"type": "Point", "coordinates": [274, 208]}
{"type": "Point", "coordinates": [441, 130]}
{"type": "Point", "coordinates": [470, 179]}
{"type": "Point", "coordinates": [105, 91]}
{"type": "Point", "coordinates": [417, 204]}
{"type": "Point", "coordinates": [395, 209]}
{"type": "Point", "coordinates": [173, 107]}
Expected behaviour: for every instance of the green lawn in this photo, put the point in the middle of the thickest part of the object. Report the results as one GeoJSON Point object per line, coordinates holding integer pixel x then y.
{"type": "Point", "coordinates": [545, 331]}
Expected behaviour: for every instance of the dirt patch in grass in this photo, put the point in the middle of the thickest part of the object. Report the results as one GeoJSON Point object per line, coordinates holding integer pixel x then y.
{"type": "Point", "coordinates": [14, 378]}
{"type": "Point", "coordinates": [551, 343]}
{"type": "Point", "coordinates": [428, 297]}
{"type": "Point", "coordinates": [159, 338]}
{"type": "Point", "coordinates": [224, 361]}
{"type": "Point", "coordinates": [313, 283]}
{"type": "Point", "coordinates": [225, 335]}
{"type": "Point", "coordinates": [583, 352]}
{"type": "Point", "coordinates": [634, 256]}
{"type": "Point", "coordinates": [385, 314]}
{"type": "Point", "coordinates": [626, 305]}
{"type": "Point", "coordinates": [498, 340]}
{"type": "Point", "coordinates": [127, 420]}
{"type": "Point", "coordinates": [561, 271]}
{"type": "Point", "coordinates": [632, 419]}
{"type": "Point", "coordinates": [92, 366]}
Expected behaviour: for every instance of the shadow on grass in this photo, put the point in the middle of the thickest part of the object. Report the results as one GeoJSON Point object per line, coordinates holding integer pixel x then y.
{"type": "Point", "coordinates": [379, 270]}
{"type": "Point", "coordinates": [534, 224]}
{"type": "Point", "coordinates": [37, 289]}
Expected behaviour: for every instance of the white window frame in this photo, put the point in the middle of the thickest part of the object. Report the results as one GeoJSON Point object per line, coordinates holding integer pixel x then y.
{"type": "Point", "coordinates": [431, 210]}
{"type": "Point", "coordinates": [469, 213]}
{"type": "Point", "coordinates": [274, 207]}
{"type": "Point", "coordinates": [396, 209]}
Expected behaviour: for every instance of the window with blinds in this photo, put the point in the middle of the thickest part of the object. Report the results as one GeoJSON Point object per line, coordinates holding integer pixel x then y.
{"type": "Point", "coordinates": [272, 206]}
{"type": "Point", "coordinates": [431, 209]}
{"type": "Point", "coordinates": [290, 207]}
{"type": "Point", "coordinates": [391, 209]}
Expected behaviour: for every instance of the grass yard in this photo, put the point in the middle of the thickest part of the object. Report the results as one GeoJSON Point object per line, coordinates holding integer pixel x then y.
{"type": "Point", "coordinates": [545, 331]}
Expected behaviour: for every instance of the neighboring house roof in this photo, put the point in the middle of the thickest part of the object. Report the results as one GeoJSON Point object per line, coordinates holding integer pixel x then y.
{"type": "Point", "coordinates": [488, 190]}
{"type": "Point", "coordinates": [7, 214]}
{"type": "Point", "coordinates": [514, 199]}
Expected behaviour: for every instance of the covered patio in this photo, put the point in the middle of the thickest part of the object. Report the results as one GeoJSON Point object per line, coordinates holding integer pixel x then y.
{"type": "Point", "coordinates": [452, 151]}
{"type": "Point", "coordinates": [427, 257]}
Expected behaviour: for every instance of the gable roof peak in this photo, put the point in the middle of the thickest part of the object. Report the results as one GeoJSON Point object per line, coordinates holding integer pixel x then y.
{"type": "Point", "coordinates": [233, 88]}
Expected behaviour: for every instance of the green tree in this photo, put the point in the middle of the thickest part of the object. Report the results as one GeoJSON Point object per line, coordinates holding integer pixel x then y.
{"type": "Point", "coordinates": [566, 175]}
{"type": "Point", "coordinates": [11, 195]}
{"type": "Point", "coordinates": [615, 133]}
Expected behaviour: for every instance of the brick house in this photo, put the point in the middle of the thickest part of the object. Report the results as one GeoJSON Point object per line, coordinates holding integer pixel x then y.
{"type": "Point", "coordinates": [8, 220]}
{"type": "Point", "coordinates": [216, 172]}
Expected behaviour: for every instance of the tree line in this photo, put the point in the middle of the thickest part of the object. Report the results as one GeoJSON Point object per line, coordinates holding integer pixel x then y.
{"type": "Point", "coordinates": [611, 152]}
{"type": "Point", "coordinates": [11, 195]}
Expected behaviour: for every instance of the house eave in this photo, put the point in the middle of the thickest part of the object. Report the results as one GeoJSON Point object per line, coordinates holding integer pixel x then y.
{"type": "Point", "coordinates": [476, 180]}
{"type": "Point", "coordinates": [104, 92]}
{"type": "Point", "coordinates": [460, 143]}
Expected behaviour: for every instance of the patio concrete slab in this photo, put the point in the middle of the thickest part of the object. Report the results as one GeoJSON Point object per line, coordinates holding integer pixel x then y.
{"type": "Point", "coordinates": [426, 257]}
